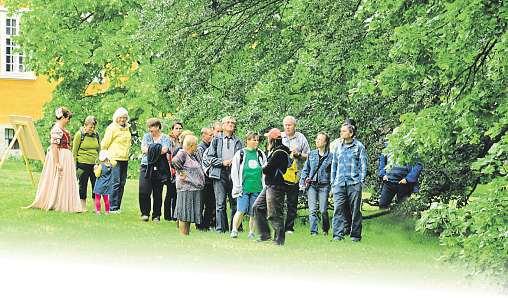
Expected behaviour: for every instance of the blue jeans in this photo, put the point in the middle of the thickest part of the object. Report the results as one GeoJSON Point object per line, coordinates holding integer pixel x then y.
{"type": "Point", "coordinates": [246, 201]}
{"type": "Point", "coordinates": [317, 196]}
{"type": "Point", "coordinates": [119, 174]}
{"type": "Point", "coordinates": [222, 190]}
{"type": "Point", "coordinates": [347, 196]}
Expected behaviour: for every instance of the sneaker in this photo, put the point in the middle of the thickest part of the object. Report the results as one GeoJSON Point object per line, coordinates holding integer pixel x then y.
{"type": "Point", "coordinates": [338, 238]}
{"type": "Point", "coordinates": [289, 232]}
{"type": "Point", "coordinates": [313, 234]}
{"type": "Point", "coordinates": [156, 220]}
{"type": "Point", "coordinates": [107, 212]}
{"type": "Point", "coordinates": [355, 239]}
{"type": "Point", "coordinates": [143, 217]}
{"type": "Point", "coordinates": [234, 234]}
{"type": "Point", "coordinates": [98, 212]}
{"type": "Point", "coordinates": [115, 211]}
{"type": "Point", "coordinates": [251, 236]}
{"type": "Point", "coordinates": [325, 233]}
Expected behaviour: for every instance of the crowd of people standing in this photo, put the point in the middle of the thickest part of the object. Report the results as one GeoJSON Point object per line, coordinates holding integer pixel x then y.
{"type": "Point", "coordinates": [202, 178]}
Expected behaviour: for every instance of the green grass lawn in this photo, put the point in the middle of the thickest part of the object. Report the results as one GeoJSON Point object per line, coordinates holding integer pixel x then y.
{"type": "Point", "coordinates": [390, 247]}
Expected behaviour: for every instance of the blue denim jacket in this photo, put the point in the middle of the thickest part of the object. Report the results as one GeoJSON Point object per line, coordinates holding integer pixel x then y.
{"type": "Point", "coordinates": [310, 167]}
{"type": "Point", "coordinates": [349, 164]}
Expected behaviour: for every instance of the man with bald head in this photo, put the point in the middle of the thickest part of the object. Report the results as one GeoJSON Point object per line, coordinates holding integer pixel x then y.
{"type": "Point", "coordinates": [299, 147]}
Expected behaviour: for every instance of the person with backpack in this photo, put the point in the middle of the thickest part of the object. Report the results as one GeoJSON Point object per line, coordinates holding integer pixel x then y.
{"type": "Point", "coordinates": [299, 147]}
{"type": "Point", "coordinates": [269, 206]}
{"type": "Point", "coordinates": [154, 171]}
{"type": "Point", "coordinates": [315, 179]}
{"type": "Point", "coordinates": [348, 174]}
{"type": "Point", "coordinates": [117, 141]}
{"type": "Point", "coordinates": [247, 178]}
{"type": "Point", "coordinates": [218, 158]}
{"type": "Point", "coordinates": [85, 149]}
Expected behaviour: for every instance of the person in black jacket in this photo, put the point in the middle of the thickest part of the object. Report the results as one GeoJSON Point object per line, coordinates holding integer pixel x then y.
{"type": "Point", "coordinates": [154, 171]}
{"type": "Point", "coordinates": [269, 206]}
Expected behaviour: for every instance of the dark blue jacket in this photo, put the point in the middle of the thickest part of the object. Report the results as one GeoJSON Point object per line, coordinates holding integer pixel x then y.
{"type": "Point", "coordinates": [310, 167]}
{"type": "Point", "coordinates": [409, 172]}
{"type": "Point", "coordinates": [104, 183]}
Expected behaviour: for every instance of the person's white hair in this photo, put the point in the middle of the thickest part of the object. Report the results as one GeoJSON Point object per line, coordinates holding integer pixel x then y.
{"type": "Point", "coordinates": [120, 112]}
{"type": "Point", "coordinates": [189, 141]}
{"type": "Point", "coordinates": [290, 119]}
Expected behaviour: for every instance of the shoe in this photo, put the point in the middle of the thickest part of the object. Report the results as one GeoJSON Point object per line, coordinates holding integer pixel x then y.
{"type": "Point", "coordinates": [156, 220]}
{"type": "Point", "coordinates": [107, 212]}
{"type": "Point", "coordinates": [356, 239]}
{"type": "Point", "coordinates": [338, 238]}
{"type": "Point", "coordinates": [234, 234]}
{"type": "Point", "coordinates": [289, 232]}
{"type": "Point", "coordinates": [115, 211]}
{"type": "Point", "coordinates": [143, 217]}
{"type": "Point", "coordinates": [98, 212]}
{"type": "Point", "coordinates": [263, 239]}
{"type": "Point", "coordinates": [325, 233]}
{"type": "Point", "coordinates": [313, 234]}
{"type": "Point", "coordinates": [251, 236]}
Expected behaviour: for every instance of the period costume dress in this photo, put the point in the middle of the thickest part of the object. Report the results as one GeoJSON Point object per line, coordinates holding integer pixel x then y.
{"type": "Point", "coordinates": [58, 190]}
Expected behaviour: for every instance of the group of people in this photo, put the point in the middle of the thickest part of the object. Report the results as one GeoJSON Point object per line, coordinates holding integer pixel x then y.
{"type": "Point", "coordinates": [202, 177]}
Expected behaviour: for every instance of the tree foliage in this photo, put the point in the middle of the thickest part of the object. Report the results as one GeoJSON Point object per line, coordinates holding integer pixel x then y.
{"type": "Point", "coordinates": [429, 76]}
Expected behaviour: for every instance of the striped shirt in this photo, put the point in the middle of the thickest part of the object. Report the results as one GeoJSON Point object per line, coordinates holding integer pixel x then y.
{"type": "Point", "coordinates": [349, 164]}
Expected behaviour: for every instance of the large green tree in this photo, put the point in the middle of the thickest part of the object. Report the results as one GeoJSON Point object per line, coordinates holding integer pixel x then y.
{"type": "Point", "coordinates": [428, 76]}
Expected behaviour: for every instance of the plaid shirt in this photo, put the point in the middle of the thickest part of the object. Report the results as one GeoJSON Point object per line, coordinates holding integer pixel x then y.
{"type": "Point", "coordinates": [349, 164]}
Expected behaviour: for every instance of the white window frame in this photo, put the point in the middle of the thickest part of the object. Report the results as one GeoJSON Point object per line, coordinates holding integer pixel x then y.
{"type": "Point", "coordinates": [16, 74]}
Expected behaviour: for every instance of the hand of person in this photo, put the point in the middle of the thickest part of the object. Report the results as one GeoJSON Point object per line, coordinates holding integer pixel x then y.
{"type": "Point", "coordinates": [226, 163]}
{"type": "Point", "coordinates": [385, 178]}
{"type": "Point", "coordinates": [95, 167]}
{"type": "Point", "coordinates": [403, 181]}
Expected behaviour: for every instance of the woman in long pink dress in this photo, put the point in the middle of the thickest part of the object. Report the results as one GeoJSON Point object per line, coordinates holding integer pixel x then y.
{"type": "Point", "coordinates": [58, 189]}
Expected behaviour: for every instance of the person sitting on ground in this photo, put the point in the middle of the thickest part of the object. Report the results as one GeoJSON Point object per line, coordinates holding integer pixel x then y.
{"type": "Point", "coordinates": [401, 181]}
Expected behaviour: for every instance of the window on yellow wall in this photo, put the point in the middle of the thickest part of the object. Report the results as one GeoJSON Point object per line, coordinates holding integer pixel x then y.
{"type": "Point", "coordinates": [13, 59]}
{"type": "Point", "coordinates": [9, 135]}
{"type": "Point", "coordinates": [12, 63]}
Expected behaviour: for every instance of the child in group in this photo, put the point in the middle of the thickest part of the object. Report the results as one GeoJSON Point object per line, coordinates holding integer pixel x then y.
{"type": "Point", "coordinates": [104, 184]}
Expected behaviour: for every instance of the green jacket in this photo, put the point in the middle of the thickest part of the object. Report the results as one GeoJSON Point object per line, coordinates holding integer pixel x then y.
{"type": "Point", "coordinates": [86, 151]}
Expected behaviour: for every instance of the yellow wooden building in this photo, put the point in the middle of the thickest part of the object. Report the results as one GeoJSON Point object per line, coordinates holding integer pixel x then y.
{"type": "Point", "coordinates": [21, 91]}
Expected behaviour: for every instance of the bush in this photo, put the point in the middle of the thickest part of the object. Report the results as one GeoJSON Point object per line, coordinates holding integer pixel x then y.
{"type": "Point", "coordinates": [476, 234]}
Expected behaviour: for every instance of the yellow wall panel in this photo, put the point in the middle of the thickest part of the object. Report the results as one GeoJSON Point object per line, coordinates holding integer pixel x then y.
{"type": "Point", "coordinates": [24, 97]}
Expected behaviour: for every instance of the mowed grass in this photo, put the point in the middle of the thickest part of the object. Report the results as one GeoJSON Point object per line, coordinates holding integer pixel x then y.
{"type": "Point", "coordinates": [390, 246]}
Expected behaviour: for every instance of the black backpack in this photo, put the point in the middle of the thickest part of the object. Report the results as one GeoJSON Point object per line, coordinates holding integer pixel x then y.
{"type": "Point", "coordinates": [83, 135]}
{"type": "Point", "coordinates": [259, 154]}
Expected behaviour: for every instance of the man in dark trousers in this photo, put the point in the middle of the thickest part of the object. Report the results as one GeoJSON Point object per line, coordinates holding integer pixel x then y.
{"type": "Point", "coordinates": [219, 156]}
{"type": "Point", "coordinates": [208, 197]}
{"type": "Point", "coordinates": [269, 206]}
{"type": "Point", "coordinates": [398, 181]}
